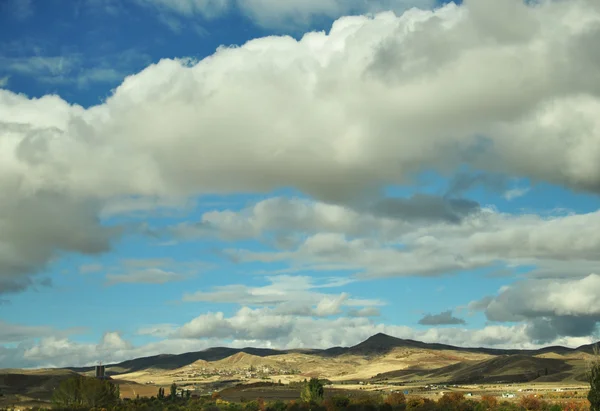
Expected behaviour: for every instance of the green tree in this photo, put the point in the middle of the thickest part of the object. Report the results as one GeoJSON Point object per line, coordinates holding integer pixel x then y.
{"type": "Point", "coordinates": [594, 379]}
{"type": "Point", "coordinates": [173, 391]}
{"type": "Point", "coordinates": [99, 393]}
{"type": "Point", "coordinates": [68, 393]}
{"type": "Point", "coordinates": [312, 391]}
{"type": "Point", "coordinates": [82, 392]}
{"type": "Point", "coordinates": [161, 393]}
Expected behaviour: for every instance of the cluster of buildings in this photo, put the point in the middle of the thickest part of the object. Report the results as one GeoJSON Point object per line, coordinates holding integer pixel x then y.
{"type": "Point", "coordinates": [247, 373]}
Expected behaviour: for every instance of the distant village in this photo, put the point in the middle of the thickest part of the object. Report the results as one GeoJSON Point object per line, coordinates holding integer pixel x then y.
{"type": "Point", "coordinates": [251, 372]}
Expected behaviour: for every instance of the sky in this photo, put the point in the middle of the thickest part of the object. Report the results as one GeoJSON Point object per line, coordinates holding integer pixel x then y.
{"type": "Point", "coordinates": [182, 174]}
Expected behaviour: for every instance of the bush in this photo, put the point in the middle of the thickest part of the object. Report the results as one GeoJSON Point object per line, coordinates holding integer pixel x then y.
{"type": "Point", "coordinates": [396, 399]}
{"type": "Point", "coordinates": [340, 401]}
{"type": "Point", "coordinates": [489, 402]}
{"type": "Point", "coordinates": [421, 404]}
{"type": "Point", "coordinates": [530, 403]}
{"type": "Point", "coordinates": [276, 406]}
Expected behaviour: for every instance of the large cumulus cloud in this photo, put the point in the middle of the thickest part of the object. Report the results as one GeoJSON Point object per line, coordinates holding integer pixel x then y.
{"type": "Point", "coordinates": [500, 86]}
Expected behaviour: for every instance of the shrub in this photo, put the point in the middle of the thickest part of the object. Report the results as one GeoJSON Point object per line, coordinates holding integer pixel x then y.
{"type": "Point", "coordinates": [340, 401]}
{"type": "Point", "coordinates": [489, 402]}
{"type": "Point", "coordinates": [396, 399]}
{"type": "Point", "coordinates": [252, 406]}
{"type": "Point", "coordinates": [276, 406]}
{"type": "Point", "coordinates": [530, 403]}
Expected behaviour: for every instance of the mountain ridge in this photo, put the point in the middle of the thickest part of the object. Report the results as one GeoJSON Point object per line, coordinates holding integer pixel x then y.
{"type": "Point", "coordinates": [377, 344]}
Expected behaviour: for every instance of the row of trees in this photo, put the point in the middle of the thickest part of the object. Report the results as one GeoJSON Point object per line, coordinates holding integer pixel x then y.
{"type": "Point", "coordinates": [173, 395]}
{"type": "Point", "coordinates": [392, 402]}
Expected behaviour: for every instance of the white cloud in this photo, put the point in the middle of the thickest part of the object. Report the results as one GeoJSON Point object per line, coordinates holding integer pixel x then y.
{"type": "Point", "coordinates": [289, 331]}
{"type": "Point", "coordinates": [153, 271]}
{"type": "Point", "coordinates": [47, 66]}
{"type": "Point", "coordinates": [157, 330]}
{"type": "Point", "coordinates": [274, 13]}
{"type": "Point", "coordinates": [498, 86]}
{"type": "Point", "coordinates": [261, 328]}
{"type": "Point", "coordinates": [74, 68]}
{"type": "Point", "coordinates": [144, 276]}
{"type": "Point", "coordinates": [551, 308]}
{"type": "Point", "coordinates": [443, 318]}
{"type": "Point", "coordinates": [36, 226]}
{"type": "Point", "coordinates": [4, 81]}
{"type": "Point", "coordinates": [62, 352]}
{"type": "Point", "coordinates": [561, 245]}
{"type": "Point", "coordinates": [15, 333]}
{"type": "Point", "coordinates": [291, 295]}
{"type": "Point", "coordinates": [365, 312]}
{"type": "Point", "coordinates": [516, 193]}
{"type": "Point", "coordinates": [90, 268]}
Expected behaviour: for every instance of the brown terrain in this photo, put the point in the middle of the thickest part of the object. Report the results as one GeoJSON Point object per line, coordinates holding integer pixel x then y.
{"type": "Point", "coordinates": [379, 364]}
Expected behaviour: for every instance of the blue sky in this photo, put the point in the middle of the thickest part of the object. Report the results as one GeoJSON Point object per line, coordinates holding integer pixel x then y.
{"type": "Point", "coordinates": [184, 174]}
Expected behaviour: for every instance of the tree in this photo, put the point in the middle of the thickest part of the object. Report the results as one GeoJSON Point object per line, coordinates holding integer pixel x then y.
{"type": "Point", "coordinates": [68, 393]}
{"type": "Point", "coordinates": [188, 394]}
{"type": "Point", "coordinates": [173, 391]}
{"type": "Point", "coordinates": [82, 392]}
{"type": "Point", "coordinates": [312, 391]}
{"type": "Point", "coordinates": [396, 399]}
{"type": "Point", "coordinates": [451, 401]}
{"type": "Point", "coordinates": [161, 393]}
{"type": "Point", "coordinates": [594, 380]}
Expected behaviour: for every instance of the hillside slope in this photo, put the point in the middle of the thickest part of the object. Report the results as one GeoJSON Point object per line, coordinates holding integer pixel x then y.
{"type": "Point", "coordinates": [501, 369]}
{"type": "Point", "coordinates": [376, 346]}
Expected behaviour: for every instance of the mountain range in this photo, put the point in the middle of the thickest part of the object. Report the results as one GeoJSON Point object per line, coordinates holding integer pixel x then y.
{"type": "Point", "coordinates": [449, 363]}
